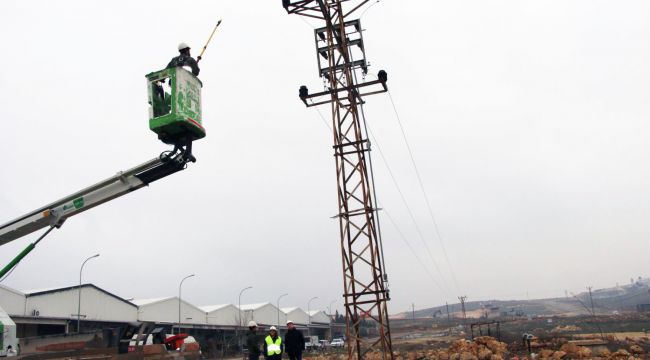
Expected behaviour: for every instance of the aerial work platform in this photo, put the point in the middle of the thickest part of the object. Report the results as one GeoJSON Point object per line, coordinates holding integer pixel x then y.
{"type": "Point", "coordinates": [175, 105]}
{"type": "Point", "coordinates": [174, 114]}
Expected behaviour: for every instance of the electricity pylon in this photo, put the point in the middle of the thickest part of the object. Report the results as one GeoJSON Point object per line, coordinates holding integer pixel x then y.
{"type": "Point", "coordinates": [341, 58]}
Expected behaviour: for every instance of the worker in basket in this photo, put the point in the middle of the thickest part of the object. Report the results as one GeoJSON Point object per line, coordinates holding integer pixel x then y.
{"type": "Point", "coordinates": [185, 59]}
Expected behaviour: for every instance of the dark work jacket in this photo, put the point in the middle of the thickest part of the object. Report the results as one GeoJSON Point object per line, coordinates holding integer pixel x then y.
{"type": "Point", "coordinates": [252, 343]}
{"type": "Point", "coordinates": [294, 342]}
{"type": "Point", "coordinates": [184, 60]}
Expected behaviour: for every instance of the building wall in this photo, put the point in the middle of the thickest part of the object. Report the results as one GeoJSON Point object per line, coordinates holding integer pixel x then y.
{"type": "Point", "coordinates": [95, 305]}
{"type": "Point", "coordinates": [298, 316]}
{"type": "Point", "coordinates": [12, 301]}
{"type": "Point", "coordinates": [267, 315]}
{"type": "Point", "coordinates": [320, 317]}
{"type": "Point", "coordinates": [228, 315]}
{"type": "Point", "coordinates": [167, 311]}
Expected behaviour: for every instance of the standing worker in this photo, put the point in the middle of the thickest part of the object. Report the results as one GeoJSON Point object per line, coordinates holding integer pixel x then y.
{"type": "Point", "coordinates": [185, 59]}
{"type": "Point", "coordinates": [252, 341]}
{"type": "Point", "coordinates": [273, 345]}
{"type": "Point", "coordinates": [294, 342]}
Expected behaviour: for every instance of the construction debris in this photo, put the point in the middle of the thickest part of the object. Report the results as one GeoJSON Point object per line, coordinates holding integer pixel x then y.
{"type": "Point", "coordinates": [482, 348]}
{"type": "Point", "coordinates": [489, 348]}
{"type": "Point", "coordinates": [566, 328]}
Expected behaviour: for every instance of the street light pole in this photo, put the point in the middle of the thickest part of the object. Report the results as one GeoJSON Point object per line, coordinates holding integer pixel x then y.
{"type": "Point", "coordinates": [309, 313]}
{"type": "Point", "coordinates": [79, 298]}
{"type": "Point", "coordinates": [281, 296]}
{"type": "Point", "coordinates": [179, 301]}
{"type": "Point", "coordinates": [329, 308]}
{"type": "Point", "coordinates": [240, 324]}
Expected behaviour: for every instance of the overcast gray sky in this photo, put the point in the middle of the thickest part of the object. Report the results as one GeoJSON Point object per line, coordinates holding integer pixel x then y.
{"type": "Point", "coordinates": [528, 121]}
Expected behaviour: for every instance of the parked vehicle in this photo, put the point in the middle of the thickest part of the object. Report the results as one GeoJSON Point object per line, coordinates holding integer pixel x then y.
{"type": "Point", "coordinates": [338, 342]}
{"type": "Point", "coordinates": [311, 342]}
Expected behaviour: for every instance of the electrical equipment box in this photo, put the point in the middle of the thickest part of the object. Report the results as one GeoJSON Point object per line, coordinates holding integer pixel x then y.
{"type": "Point", "coordinates": [175, 105]}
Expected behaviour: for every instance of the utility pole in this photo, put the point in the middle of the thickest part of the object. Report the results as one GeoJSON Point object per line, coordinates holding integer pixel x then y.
{"type": "Point", "coordinates": [591, 299]}
{"type": "Point", "coordinates": [340, 51]}
{"type": "Point", "coordinates": [448, 316]}
{"type": "Point", "coordinates": [462, 306]}
{"type": "Point", "coordinates": [413, 311]}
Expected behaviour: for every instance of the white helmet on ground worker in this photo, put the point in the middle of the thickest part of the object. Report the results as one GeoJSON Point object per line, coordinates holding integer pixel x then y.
{"type": "Point", "coordinates": [252, 324]}
{"type": "Point", "coordinates": [182, 46]}
{"type": "Point", "coordinates": [289, 322]}
{"type": "Point", "coordinates": [273, 328]}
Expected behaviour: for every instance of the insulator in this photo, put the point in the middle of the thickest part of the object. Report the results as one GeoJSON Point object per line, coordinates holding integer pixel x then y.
{"type": "Point", "coordinates": [303, 92]}
{"type": "Point", "coordinates": [383, 77]}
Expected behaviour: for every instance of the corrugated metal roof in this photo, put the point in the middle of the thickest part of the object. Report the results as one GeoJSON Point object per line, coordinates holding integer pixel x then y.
{"type": "Point", "coordinates": [17, 292]}
{"type": "Point", "coordinates": [40, 292]}
{"type": "Point", "coordinates": [253, 306]}
{"type": "Point", "coordinates": [211, 308]}
{"type": "Point", "coordinates": [141, 302]}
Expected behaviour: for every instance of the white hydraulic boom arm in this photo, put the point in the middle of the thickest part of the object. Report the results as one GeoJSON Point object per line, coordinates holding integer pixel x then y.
{"type": "Point", "coordinates": [122, 183]}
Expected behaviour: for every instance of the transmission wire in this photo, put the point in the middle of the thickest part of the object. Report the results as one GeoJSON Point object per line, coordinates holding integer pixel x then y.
{"type": "Point", "coordinates": [405, 204]}
{"type": "Point", "coordinates": [424, 193]}
{"type": "Point", "coordinates": [408, 244]}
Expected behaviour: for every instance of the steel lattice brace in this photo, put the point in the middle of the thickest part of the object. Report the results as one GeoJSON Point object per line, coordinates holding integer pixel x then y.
{"type": "Point", "coordinates": [365, 284]}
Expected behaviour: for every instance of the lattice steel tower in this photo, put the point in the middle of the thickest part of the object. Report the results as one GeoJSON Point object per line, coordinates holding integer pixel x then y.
{"type": "Point", "coordinates": [341, 57]}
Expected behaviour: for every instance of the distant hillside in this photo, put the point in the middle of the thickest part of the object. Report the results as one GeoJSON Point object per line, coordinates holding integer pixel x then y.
{"type": "Point", "coordinates": [606, 301]}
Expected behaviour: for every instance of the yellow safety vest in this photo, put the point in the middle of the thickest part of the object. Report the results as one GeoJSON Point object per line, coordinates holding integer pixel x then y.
{"type": "Point", "coordinates": [273, 348]}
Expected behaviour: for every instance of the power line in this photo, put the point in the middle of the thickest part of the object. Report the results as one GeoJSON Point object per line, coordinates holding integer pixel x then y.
{"type": "Point", "coordinates": [408, 244]}
{"type": "Point", "coordinates": [321, 116]}
{"type": "Point", "coordinates": [368, 8]}
{"type": "Point", "coordinates": [408, 208]}
{"type": "Point", "coordinates": [370, 134]}
{"type": "Point", "coordinates": [424, 193]}
{"type": "Point", "coordinates": [399, 190]}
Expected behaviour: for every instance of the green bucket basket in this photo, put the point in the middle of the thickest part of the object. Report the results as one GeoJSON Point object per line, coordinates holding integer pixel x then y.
{"type": "Point", "coordinates": [175, 105]}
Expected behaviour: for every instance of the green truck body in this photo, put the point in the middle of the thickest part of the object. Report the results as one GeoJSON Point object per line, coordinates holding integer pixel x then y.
{"type": "Point", "coordinates": [175, 105]}
{"type": "Point", "coordinates": [7, 333]}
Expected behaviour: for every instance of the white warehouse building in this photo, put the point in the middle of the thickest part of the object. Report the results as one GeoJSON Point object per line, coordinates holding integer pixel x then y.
{"type": "Point", "coordinates": [62, 303]}
{"type": "Point", "coordinates": [54, 311]}
{"type": "Point", "coordinates": [295, 314]}
{"type": "Point", "coordinates": [319, 317]}
{"type": "Point", "coordinates": [12, 300]}
{"type": "Point", "coordinates": [166, 310]}
{"type": "Point", "coordinates": [222, 314]}
{"type": "Point", "coordinates": [262, 313]}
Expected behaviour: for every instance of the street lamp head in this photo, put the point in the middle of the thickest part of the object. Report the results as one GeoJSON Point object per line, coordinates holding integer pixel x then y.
{"type": "Point", "coordinates": [94, 256]}
{"type": "Point", "coordinates": [187, 277]}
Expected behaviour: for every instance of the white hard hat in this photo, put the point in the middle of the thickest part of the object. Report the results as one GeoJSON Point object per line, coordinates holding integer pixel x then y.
{"type": "Point", "coordinates": [182, 46]}
{"type": "Point", "coordinates": [273, 328]}
{"type": "Point", "coordinates": [252, 324]}
{"type": "Point", "coordinates": [289, 322]}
